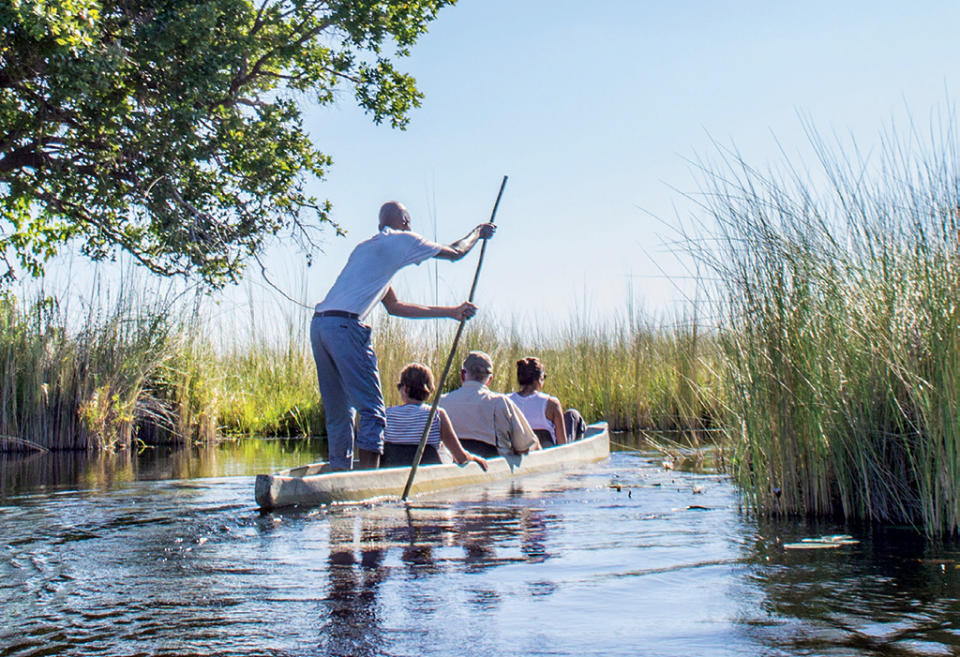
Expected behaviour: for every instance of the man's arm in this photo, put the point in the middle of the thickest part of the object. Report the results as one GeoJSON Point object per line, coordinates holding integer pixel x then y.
{"type": "Point", "coordinates": [394, 306]}
{"type": "Point", "coordinates": [462, 246]}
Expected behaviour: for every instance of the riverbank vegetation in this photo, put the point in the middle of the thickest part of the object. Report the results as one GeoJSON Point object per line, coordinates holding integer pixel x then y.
{"type": "Point", "coordinates": [842, 348]}
{"type": "Point", "coordinates": [147, 366]}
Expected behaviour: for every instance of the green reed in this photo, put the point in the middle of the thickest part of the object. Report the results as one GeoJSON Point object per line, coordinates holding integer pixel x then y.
{"type": "Point", "coordinates": [87, 382]}
{"type": "Point", "coordinates": [146, 367]}
{"type": "Point", "coordinates": [631, 374]}
{"type": "Point", "coordinates": [268, 383]}
{"type": "Point", "coordinates": [842, 343]}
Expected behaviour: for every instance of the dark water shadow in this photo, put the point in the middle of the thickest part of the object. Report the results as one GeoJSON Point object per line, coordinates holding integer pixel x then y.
{"type": "Point", "coordinates": [894, 593]}
{"type": "Point", "coordinates": [82, 470]}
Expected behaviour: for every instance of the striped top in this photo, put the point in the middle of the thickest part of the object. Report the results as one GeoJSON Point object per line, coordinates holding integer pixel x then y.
{"type": "Point", "coordinates": [405, 425]}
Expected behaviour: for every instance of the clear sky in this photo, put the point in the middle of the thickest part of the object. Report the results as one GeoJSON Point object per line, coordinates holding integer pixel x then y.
{"type": "Point", "coordinates": [593, 110]}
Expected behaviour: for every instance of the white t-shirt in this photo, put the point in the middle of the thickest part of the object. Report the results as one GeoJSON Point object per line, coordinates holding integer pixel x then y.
{"type": "Point", "coordinates": [366, 276]}
{"type": "Point", "coordinates": [534, 408]}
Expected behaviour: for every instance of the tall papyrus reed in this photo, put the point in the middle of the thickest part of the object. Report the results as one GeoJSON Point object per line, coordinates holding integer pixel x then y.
{"type": "Point", "coordinates": [842, 291]}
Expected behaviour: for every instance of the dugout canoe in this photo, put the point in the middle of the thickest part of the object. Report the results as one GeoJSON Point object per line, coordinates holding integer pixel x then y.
{"type": "Point", "coordinates": [312, 485]}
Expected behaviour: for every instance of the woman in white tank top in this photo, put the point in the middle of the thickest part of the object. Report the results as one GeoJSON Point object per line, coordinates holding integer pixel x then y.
{"type": "Point", "coordinates": [543, 412]}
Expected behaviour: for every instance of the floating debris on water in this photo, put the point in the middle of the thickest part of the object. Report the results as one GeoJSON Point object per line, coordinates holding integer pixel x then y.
{"type": "Point", "coordinates": [810, 546]}
{"type": "Point", "coordinates": [822, 543]}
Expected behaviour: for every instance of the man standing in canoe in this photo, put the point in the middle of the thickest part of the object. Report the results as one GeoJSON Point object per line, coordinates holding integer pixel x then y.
{"type": "Point", "coordinates": [346, 363]}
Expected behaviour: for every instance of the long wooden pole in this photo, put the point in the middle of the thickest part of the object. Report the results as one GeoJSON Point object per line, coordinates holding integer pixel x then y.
{"type": "Point", "coordinates": [453, 350]}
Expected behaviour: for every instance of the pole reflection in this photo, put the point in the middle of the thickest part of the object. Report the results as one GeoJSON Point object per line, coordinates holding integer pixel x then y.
{"type": "Point", "coordinates": [380, 558]}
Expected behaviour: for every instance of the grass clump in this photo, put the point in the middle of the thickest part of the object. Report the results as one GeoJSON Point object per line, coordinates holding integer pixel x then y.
{"type": "Point", "coordinates": [93, 382]}
{"type": "Point", "coordinates": [268, 383]}
{"type": "Point", "coordinates": [842, 339]}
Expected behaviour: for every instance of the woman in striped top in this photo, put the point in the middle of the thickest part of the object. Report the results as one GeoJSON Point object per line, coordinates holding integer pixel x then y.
{"type": "Point", "coordinates": [405, 424]}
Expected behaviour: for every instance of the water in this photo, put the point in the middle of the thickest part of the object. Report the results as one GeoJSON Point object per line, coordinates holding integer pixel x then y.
{"type": "Point", "coordinates": [166, 554]}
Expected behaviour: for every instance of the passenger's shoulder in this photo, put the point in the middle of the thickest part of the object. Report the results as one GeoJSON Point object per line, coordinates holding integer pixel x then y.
{"type": "Point", "coordinates": [505, 401]}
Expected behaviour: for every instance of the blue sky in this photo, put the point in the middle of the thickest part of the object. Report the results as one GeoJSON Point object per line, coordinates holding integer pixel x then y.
{"type": "Point", "coordinates": [593, 110]}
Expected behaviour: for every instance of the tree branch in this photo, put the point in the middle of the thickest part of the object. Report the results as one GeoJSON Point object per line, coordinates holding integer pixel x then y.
{"type": "Point", "coordinates": [257, 69]}
{"type": "Point", "coordinates": [25, 157]}
{"type": "Point", "coordinates": [258, 21]}
{"type": "Point", "coordinates": [116, 237]}
{"type": "Point", "coordinates": [340, 74]}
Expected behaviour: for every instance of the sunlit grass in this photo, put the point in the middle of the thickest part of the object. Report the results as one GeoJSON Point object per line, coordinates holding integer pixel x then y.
{"type": "Point", "coordinates": [141, 367]}
{"type": "Point", "coordinates": [85, 387]}
{"type": "Point", "coordinates": [843, 336]}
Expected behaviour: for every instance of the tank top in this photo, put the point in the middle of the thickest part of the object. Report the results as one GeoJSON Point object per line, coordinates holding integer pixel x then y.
{"type": "Point", "coordinates": [534, 408]}
{"type": "Point", "coordinates": [405, 425]}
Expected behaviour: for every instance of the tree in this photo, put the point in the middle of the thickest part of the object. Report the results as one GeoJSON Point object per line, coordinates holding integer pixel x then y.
{"type": "Point", "coordinates": [172, 129]}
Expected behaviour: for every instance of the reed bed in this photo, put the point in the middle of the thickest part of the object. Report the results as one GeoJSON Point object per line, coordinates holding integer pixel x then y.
{"type": "Point", "coordinates": [132, 372]}
{"type": "Point", "coordinates": [631, 374]}
{"type": "Point", "coordinates": [842, 340]}
{"type": "Point", "coordinates": [87, 388]}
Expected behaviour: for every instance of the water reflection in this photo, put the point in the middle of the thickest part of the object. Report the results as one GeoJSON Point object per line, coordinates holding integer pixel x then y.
{"type": "Point", "coordinates": [64, 470]}
{"type": "Point", "coordinates": [350, 624]}
{"type": "Point", "coordinates": [61, 470]}
{"type": "Point", "coordinates": [166, 554]}
{"type": "Point", "coordinates": [389, 556]}
{"type": "Point", "coordinates": [893, 594]}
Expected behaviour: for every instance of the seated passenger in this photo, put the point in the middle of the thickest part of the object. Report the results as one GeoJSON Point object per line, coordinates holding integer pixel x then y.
{"type": "Point", "coordinates": [405, 424]}
{"type": "Point", "coordinates": [546, 416]}
{"type": "Point", "coordinates": [487, 422]}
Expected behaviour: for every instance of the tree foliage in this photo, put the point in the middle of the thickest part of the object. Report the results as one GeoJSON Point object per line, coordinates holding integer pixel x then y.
{"type": "Point", "coordinates": [172, 129]}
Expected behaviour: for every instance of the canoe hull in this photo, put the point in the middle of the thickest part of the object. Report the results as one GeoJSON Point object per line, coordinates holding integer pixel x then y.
{"type": "Point", "coordinates": [315, 484]}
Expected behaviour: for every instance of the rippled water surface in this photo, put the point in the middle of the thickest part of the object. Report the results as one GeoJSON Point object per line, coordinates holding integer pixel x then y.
{"type": "Point", "coordinates": [165, 554]}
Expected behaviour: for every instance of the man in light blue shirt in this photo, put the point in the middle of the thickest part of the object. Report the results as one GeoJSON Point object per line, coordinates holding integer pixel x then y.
{"type": "Point", "coordinates": [346, 363]}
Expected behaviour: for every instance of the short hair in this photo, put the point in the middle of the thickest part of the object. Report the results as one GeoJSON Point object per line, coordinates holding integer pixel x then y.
{"type": "Point", "coordinates": [389, 210]}
{"type": "Point", "coordinates": [478, 365]}
{"type": "Point", "coordinates": [529, 370]}
{"type": "Point", "coordinates": [418, 380]}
